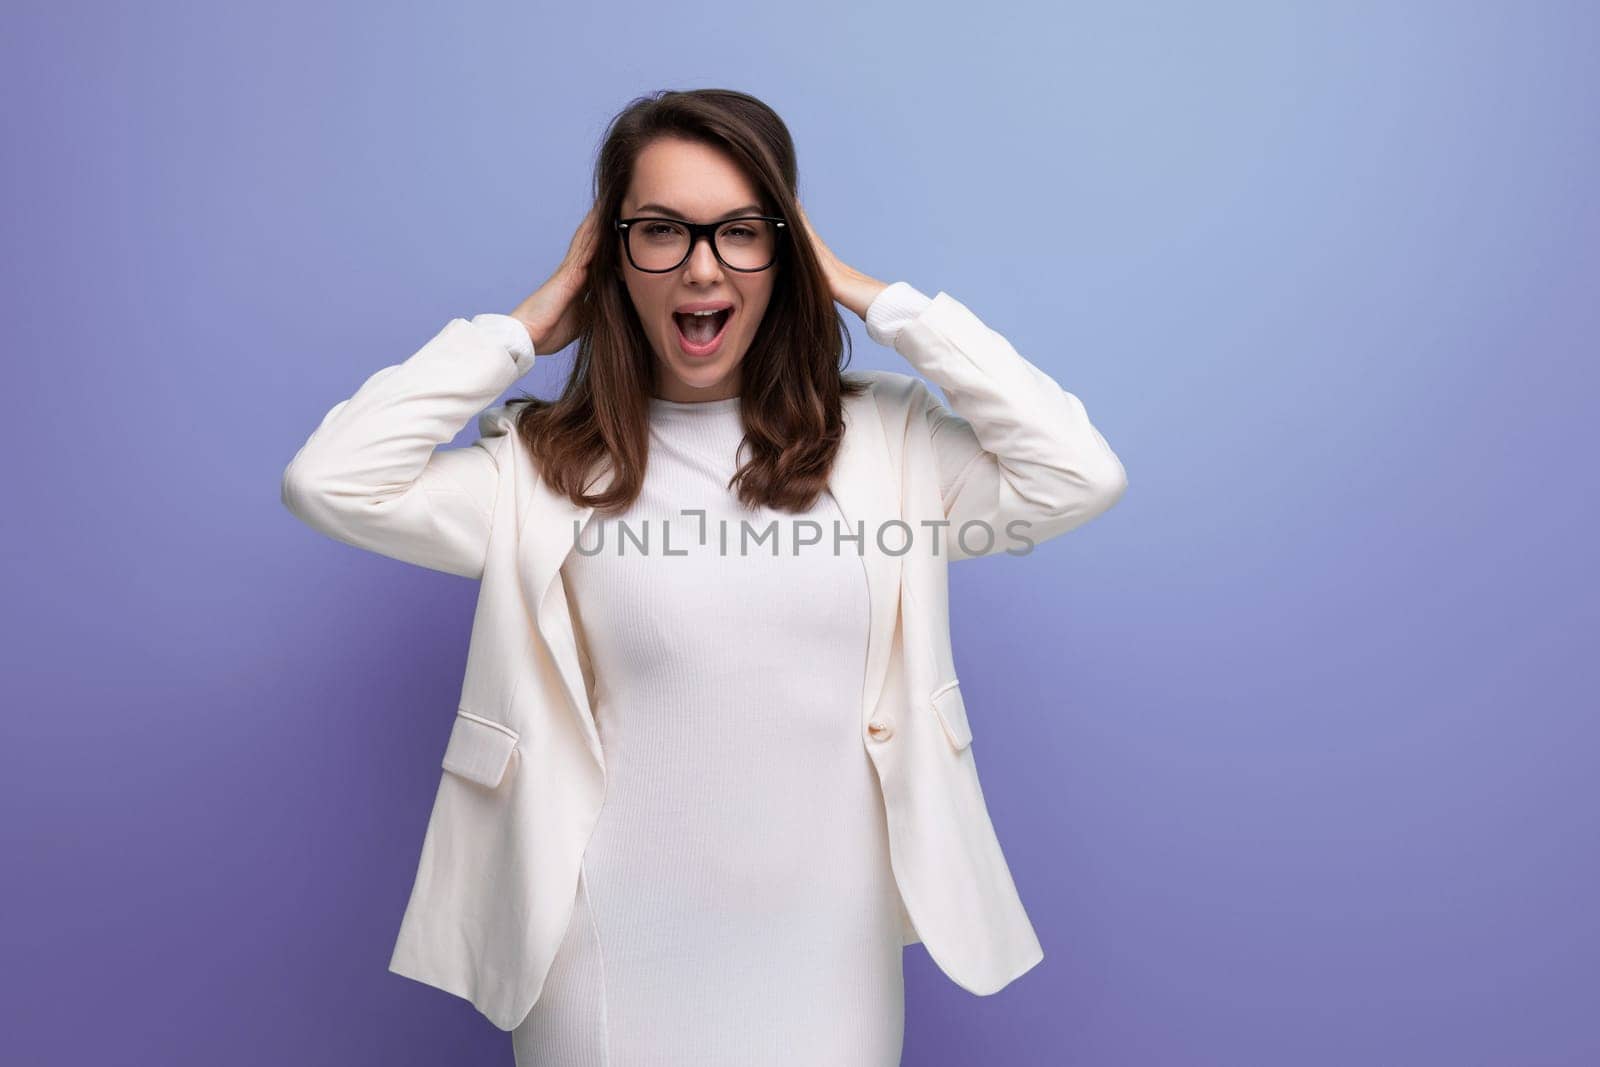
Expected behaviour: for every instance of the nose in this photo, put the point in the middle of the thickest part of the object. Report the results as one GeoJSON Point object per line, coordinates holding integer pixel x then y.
{"type": "Point", "coordinates": [703, 264]}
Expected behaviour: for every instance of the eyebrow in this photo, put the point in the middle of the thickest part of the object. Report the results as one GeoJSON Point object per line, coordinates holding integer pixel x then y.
{"type": "Point", "coordinates": [747, 209]}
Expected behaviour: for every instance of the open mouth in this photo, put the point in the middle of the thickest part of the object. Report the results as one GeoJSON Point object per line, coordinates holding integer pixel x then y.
{"type": "Point", "coordinates": [701, 334]}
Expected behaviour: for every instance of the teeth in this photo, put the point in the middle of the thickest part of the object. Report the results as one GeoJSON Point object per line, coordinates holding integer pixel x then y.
{"type": "Point", "coordinates": [702, 314]}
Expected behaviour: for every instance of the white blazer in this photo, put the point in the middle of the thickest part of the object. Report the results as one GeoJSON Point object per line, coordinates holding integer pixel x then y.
{"type": "Point", "coordinates": [523, 771]}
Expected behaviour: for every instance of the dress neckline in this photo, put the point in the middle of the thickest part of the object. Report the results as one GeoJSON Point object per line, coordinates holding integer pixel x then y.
{"type": "Point", "coordinates": [730, 403]}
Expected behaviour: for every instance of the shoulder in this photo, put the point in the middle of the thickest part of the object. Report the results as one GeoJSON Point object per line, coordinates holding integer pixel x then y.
{"type": "Point", "coordinates": [894, 392]}
{"type": "Point", "coordinates": [500, 420]}
{"type": "Point", "coordinates": [495, 422]}
{"type": "Point", "coordinates": [497, 431]}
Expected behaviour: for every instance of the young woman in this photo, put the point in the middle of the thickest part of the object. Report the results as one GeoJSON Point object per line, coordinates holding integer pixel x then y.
{"type": "Point", "coordinates": [743, 893]}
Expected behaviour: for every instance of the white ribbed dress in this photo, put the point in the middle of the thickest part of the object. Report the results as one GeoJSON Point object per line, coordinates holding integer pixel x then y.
{"type": "Point", "coordinates": [735, 906]}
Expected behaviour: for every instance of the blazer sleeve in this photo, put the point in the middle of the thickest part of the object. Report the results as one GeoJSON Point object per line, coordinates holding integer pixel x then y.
{"type": "Point", "coordinates": [373, 473]}
{"type": "Point", "coordinates": [1013, 444]}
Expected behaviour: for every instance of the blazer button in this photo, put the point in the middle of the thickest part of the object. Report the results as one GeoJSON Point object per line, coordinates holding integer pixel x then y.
{"type": "Point", "coordinates": [879, 730]}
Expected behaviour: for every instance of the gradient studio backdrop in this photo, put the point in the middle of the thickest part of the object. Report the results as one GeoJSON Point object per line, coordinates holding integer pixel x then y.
{"type": "Point", "coordinates": [1289, 751]}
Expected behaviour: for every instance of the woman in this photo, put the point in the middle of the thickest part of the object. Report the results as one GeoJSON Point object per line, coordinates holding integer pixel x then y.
{"type": "Point", "coordinates": [735, 902]}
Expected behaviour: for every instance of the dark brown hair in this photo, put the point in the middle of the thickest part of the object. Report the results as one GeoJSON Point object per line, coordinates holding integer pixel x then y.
{"type": "Point", "coordinates": [791, 383]}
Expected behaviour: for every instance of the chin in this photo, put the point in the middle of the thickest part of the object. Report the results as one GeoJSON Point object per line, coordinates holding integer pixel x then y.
{"type": "Point", "coordinates": [698, 375]}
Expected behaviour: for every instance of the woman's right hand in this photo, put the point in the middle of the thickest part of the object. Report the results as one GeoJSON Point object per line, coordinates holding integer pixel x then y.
{"type": "Point", "coordinates": [554, 313]}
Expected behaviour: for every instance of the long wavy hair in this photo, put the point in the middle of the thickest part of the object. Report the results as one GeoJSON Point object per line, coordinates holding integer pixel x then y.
{"type": "Point", "coordinates": [792, 383]}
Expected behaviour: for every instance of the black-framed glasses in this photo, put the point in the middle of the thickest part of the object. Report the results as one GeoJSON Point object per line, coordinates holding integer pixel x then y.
{"type": "Point", "coordinates": [657, 245]}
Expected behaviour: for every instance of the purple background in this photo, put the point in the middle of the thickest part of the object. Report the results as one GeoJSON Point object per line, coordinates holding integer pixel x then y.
{"type": "Point", "coordinates": [1288, 751]}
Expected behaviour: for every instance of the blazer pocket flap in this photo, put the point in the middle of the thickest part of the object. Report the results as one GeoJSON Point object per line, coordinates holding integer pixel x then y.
{"type": "Point", "coordinates": [479, 749]}
{"type": "Point", "coordinates": [952, 715]}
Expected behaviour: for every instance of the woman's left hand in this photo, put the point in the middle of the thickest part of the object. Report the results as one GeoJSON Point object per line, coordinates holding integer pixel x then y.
{"type": "Point", "coordinates": [850, 287]}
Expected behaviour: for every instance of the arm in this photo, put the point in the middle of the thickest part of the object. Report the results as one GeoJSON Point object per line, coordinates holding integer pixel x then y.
{"type": "Point", "coordinates": [373, 474]}
{"type": "Point", "coordinates": [1015, 446]}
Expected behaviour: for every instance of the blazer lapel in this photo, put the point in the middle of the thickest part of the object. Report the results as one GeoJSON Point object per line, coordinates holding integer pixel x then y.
{"type": "Point", "coordinates": [865, 487]}
{"type": "Point", "coordinates": [549, 524]}
{"type": "Point", "coordinates": [862, 484]}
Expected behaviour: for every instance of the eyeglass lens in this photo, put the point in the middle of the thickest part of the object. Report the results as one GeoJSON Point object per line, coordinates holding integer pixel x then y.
{"type": "Point", "coordinates": [743, 244]}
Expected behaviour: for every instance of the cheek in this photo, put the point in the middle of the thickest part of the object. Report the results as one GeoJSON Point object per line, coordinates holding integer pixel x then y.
{"type": "Point", "coordinates": [756, 303]}
{"type": "Point", "coordinates": [650, 304]}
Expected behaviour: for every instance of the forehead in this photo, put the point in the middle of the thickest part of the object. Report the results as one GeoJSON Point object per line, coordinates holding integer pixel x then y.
{"type": "Point", "coordinates": [698, 181]}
